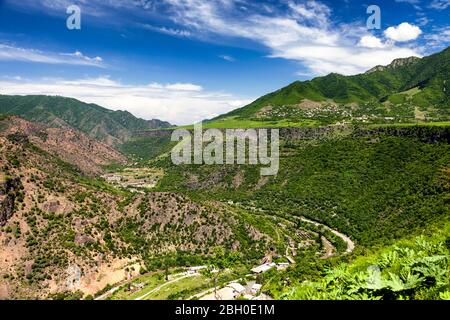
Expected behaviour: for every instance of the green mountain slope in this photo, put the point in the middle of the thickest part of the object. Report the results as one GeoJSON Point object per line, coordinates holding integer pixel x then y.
{"type": "Point", "coordinates": [112, 127]}
{"type": "Point", "coordinates": [407, 89]}
{"type": "Point", "coordinates": [413, 268]}
{"type": "Point", "coordinates": [370, 184]}
{"type": "Point", "coordinates": [383, 186]}
{"type": "Point", "coordinates": [57, 221]}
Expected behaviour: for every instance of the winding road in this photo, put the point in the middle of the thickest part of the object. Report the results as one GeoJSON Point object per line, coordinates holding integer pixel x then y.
{"type": "Point", "coordinates": [347, 240]}
{"type": "Point", "coordinates": [329, 248]}
{"type": "Point", "coordinates": [328, 254]}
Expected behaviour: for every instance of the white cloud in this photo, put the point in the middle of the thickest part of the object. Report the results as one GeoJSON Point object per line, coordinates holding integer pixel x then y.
{"type": "Point", "coordinates": [312, 11]}
{"type": "Point", "coordinates": [409, 1]}
{"type": "Point", "coordinates": [227, 58]}
{"type": "Point", "coordinates": [168, 31]}
{"type": "Point", "coordinates": [370, 42]}
{"type": "Point", "coordinates": [10, 52]}
{"type": "Point", "coordinates": [345, 60]}
{"type": "Point", "coordinates": [305, 34]}
{"type": "Point", "coordinates": [403, 32]}
{"type": "Point", "coordinates": [423, 21]}
{"type": "Point", "coordinates": [439, 38]}
{"type": "Point", "coordinates": [414, 3]}
{"type": "Point", "coordinates": [286, 30]}
{"type": "Point", "coordinates": [440, 4]}
{"type": "Point", "coordinates": [178, 103]}
{"type": "Point", "coordinates": [175, 32]}
{"type": "Point", "coordinates": [82, 57]}
{"type": "Point", "coordinates": [184, 87]}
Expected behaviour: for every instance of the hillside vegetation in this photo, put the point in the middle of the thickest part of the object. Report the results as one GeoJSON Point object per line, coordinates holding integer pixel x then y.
{"type": "Point", "coordinates": [408, 90]}
{"type": "Point", "coordinates": [111, 127]}
{"type": "Point", "coordinates": [65, 231]}
{"type": "Point", "coordinates": [360, 207]}
{"type": "Point", "coordinates": [374, 185]}
{"type": "Point", "coordinates": [415, 268]}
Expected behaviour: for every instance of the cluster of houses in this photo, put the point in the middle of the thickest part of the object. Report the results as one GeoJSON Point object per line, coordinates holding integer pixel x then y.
{"type": "Point", "coordinates": [134, 178]}
{"type": "Point", "coordinates": [313, 112]}
{"type": "Point", "coordinates": [320, 111]}
{"type": "Point", "coordinates": [235, 290]}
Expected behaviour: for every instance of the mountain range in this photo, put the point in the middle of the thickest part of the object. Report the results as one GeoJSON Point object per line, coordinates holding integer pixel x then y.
{"type": "Point", "coordinates": [407, 88]}
{"type": "Point", "coordinates": [88, 201]}
{"type": "Point", "coordinates": [111, 127]}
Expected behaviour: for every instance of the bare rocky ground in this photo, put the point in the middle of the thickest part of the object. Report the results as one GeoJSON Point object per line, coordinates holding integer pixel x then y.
{"type": "Point", "coordinates": [67, 143]}
{"type": "Point", "coordinates": [67, 230]}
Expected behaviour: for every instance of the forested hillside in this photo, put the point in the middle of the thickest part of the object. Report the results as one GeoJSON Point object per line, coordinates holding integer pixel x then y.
{"type": "Point", "coordinates": [410, 89]}
{"type": "Point", "coordinates": [111, 127]}
{"type": "Point", "coordinates": [375, 184]}
{"type": "Point", "coordinates": [65, 230]}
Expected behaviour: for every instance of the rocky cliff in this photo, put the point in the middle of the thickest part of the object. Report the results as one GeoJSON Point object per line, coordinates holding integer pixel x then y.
{"type": "Point", "coordinates": [9, 193]}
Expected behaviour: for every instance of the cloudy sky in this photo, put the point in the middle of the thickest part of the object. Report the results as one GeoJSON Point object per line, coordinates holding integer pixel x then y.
{"type": "Point", "coordinates": [187, 60]}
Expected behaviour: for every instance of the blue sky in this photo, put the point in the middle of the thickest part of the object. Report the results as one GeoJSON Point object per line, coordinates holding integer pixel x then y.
{"type": "Point", "coordinates": [186, 60]}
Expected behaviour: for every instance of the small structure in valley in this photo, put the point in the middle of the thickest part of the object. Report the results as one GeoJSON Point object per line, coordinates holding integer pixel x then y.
{"type": "Point", "coordinates": [237, 287]}
{"type": "Point", "coordinates": [196, 269]}
{"type": "Point", "coordinates": [263, 268]}
{"type": "Point", "coordinates": [256, 288]}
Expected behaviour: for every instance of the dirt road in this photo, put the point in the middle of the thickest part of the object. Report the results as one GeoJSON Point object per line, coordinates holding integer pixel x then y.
{"type": "Point", "coordinates": [347, 240]}
{"type": "Point", "coordinates": [166, 284]}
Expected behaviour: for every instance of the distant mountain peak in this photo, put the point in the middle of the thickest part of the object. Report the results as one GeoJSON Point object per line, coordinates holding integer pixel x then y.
{"type": "Point", "coordinates": [400, 62]}
{"type": "Point", "coordinates": [367, 94]}
{"type": "Point", "coordinates": [158, 124]}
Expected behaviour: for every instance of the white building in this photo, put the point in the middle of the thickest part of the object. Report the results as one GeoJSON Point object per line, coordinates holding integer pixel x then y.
{"type": "Point", "coordinates": [237, 287]}
{"type": "Point", "coordinates": [196, 269]}
{"type": "Point", "coordinates": [282, 265]}
{"type": "Point", "coordinates": [263, 268]}
{"type": "Point", "coordinates": [256, 288]}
